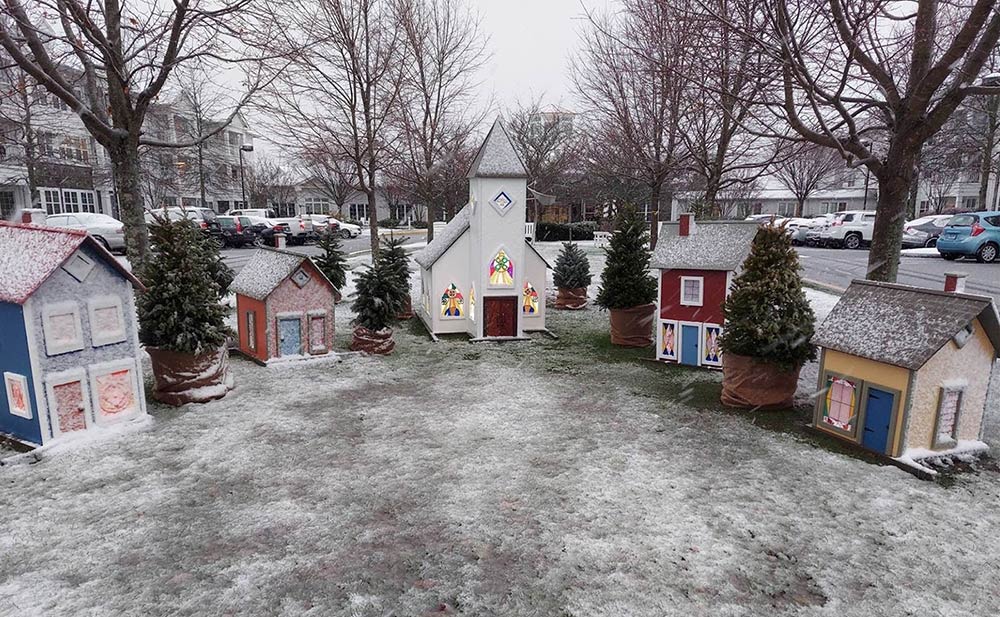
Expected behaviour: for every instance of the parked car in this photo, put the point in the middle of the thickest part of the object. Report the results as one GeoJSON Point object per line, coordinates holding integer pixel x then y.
{"type": "Point", "coordinates": [851, 229]}
{"type": "Point", "coordinates": [924, 231]}
{"type": "Point", "coordinates": [202, 217]}
{"type": "Point", "coordinates": [300, 228]}
{"type": "Point", "coordinates": [323, 223]}
{"type": "Point", "coordinates": [976, 234]}
{"type": "Point", "coordinates": [264, 229]}
{"type": "Point", "coordinates": [107, 230]}
{"type": "Point", "coordinates": [817, 223]}
{"type": "Point", "coordinates": [234, 233]}
{"type": "Point", "coordinates": [797, 229]}
{"type": "Point", "coordinates": [347, 230]}
{"type": "Point", "coordinates": [768, 219]}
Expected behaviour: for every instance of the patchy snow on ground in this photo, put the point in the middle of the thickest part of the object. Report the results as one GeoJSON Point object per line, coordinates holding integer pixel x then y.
{"type": "Point", "coordinates": [921, 252]}
{"type": "Point", "coordinates": [552, 477]}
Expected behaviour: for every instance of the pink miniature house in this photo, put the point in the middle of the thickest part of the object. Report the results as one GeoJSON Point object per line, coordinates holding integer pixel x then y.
{"type": "Point", "coordinates": [284, 307]}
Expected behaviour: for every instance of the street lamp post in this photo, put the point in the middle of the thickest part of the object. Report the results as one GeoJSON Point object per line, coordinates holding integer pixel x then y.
{"type": "Point", "coordinates": [243, 178]}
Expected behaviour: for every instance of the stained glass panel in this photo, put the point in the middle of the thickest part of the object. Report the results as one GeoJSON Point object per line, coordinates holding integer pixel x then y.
{"type": "Point", "coordinates": [452, 302]}
{"type": "Point", "coordinates": [501, 270]}
{"type": "Point", "coordinates": [530, 305]}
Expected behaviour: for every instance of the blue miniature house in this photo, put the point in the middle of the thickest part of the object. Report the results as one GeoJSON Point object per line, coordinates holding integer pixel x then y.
{"type": "Point", "coordinates": [69, 344]}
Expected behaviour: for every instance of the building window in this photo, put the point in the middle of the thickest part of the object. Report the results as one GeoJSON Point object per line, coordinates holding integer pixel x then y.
{"type": "Point", "coordinates": [316, 205]}
{"type": "Point", "coordinates": [501, 270]}
{"type": "Point", "coordinates": [358, 212]}
{"type": "Point", "coordinates": [841, 403]}
{"type": "Point", "coordinates": [18, 398]}
{"type": "Point", "coordinates": [115, 389]}
{"type": "Point", "coordinates": [949, 407]}
{"type": "Point", "coordinates": [107, 322]}
{"type": "Point", "coordinates": [284, 209]}
{"type": "Point", "coordinates": [6, 205]}
{"type": "Point", "coordinates": [51, 201]}
{"type": "Point", "coordinates": [317, 332]}
{"type": "Point", "coordinates": [61, 328]}
{"type": "Point", "coordinates": [79, 266]}
{"type": "Point", "coordinates": [692, 290]}
{"type": "Point", "coordinates": [969, 203]}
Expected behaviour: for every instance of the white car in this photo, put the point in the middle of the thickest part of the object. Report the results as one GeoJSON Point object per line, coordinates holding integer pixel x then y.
{"type": "Point", "coordinates": [767, 219]}
{"type": "Point", "coordinates": [851, 229]}
{"type": "Point", "coordinates": [347, 230]}
{"type": "Point", "coordinates": [107, 230]}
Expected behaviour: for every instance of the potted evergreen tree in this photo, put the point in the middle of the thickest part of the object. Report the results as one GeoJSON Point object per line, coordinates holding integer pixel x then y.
{"type": "Point", "coordinates": [572, 277]}
{"type": "Point", "coordinates": [769, 326]}
{"type": "Point", "coordinates": [181, 321]}
{"type": "Point", "coordinates": [397, 265]}
{"type": "Point", "coordinates": [376, 304]}
{"type": "Point", "coordinates": [627, 290]}
{"type": "Point", "coordinates": [332, 261]}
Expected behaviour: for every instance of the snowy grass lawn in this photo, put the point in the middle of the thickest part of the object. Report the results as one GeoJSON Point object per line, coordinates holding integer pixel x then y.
{"type": "Point", "coordinates": [557, 477]}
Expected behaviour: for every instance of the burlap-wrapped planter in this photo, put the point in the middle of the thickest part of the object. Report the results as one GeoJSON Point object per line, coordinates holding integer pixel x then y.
{"type": "Point", "coordinates": [572, 299]}
{"type": "Point", "coordinates": [633, 327]}
{"type": "Point", "coordinates": [186, 378]}
{"type": "Point", "coordinates": [407, 312]}
{"type": "Point", "coordinates": [370, 341]}
{"type": "Point", "coordinates": [750, 383]}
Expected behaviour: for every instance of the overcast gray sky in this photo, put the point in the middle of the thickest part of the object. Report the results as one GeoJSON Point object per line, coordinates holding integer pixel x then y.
{"type": "Point", "coordinates": [532, 41]}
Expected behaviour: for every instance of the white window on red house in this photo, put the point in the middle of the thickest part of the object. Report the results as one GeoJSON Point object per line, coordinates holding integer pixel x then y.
{"type": "Point", "coordinates": [692, 290]}
{"type": "Point", "coordinates": [252, 330]}
{"type": "Point", "coordinates": [949, 406]}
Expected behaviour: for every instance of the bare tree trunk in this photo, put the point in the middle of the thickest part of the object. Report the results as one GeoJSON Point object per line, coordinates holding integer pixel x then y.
{"type": "Point", "coordinates": [373, 220]}
{"type": "Point", "coordinates": [201, 174]}
{"type": "Point", "coordinates": [986, 155]}
{"type": "Point", "coordinates": [894, 187]}
{"type": "Point", "coordinates": [656, 204]}
{"type": "Point", "coordinates": [125, 163]}
{"type": "Point", "coordinates": [30, 151]}
{"type": "Point", "coordinates": [800, 206]}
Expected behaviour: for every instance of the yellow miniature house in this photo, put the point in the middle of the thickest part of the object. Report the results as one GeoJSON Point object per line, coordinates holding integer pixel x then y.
{"type": "Point", "coordinates": [904, 371]}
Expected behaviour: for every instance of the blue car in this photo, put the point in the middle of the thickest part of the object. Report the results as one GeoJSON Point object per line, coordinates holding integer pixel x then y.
{"type": "Point", "coordinates": [976, 234]}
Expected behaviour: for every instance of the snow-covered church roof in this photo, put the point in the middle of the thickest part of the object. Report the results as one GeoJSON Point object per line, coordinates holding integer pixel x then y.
{"type": "Point", "coordinates": [266, 270]}
{"type": "Point", "coordinates": [29, 254]}
{"type": "Point", "coordinates": [900, 324]}
{"type": "Point", "coordinates": [497, 157]}
{"type": "Point", "coordinates": [443, 241]}
{"type": "Point", "coordinates": [712, 245]}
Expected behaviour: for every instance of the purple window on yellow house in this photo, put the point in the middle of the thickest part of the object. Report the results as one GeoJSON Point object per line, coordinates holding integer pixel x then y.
{"type": "Point", "coordinates": [841, 403]}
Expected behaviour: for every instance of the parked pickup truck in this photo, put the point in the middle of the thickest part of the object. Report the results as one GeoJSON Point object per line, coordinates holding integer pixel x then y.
{"type": "Point", "coordinates": [300, 228]}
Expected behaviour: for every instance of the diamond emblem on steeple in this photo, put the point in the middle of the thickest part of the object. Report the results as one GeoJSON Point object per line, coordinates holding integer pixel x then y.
{"type": "Point", "coordinates": [502, 202]}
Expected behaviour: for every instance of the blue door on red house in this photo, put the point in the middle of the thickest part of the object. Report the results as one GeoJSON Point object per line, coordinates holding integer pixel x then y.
{"type": "Point", "coordinates": [690, 337]}
{"type": "Point", "coordinates": [289, 336]}
{"type": "Point", "coordinates": [878, 416]}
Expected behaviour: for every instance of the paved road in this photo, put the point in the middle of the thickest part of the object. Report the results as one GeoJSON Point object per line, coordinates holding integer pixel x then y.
{"type": "Point", "coordinates": [839, 266]}
{"type": "Point", "coordinates": [236, 258]}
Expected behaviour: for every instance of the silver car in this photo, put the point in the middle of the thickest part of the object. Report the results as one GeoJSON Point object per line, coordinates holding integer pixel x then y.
{"type": "Point", "coordinates": [107, 230]}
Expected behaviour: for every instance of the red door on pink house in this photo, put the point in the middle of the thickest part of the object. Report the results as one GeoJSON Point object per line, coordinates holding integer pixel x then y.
{"type": "Point", "coordinates": [69, 406]}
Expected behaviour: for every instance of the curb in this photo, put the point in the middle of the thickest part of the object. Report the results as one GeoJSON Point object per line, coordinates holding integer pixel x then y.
{"type": "Point", "coordinates": [833, 289]}
{"type": "Point", "coordinates": [927, 256]}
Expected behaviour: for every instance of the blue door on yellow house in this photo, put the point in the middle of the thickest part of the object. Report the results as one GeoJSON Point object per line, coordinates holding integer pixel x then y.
{"type": "Point", "coordinates": [878, 417]}
{"type": "Point", "coordinates": [690, 337]}
{"type": "Point", "coordinates": [289, 336]}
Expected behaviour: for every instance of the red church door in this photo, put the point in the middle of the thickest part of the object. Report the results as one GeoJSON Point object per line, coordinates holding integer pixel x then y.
{"type": "Point", "coordinates": [500, 315]}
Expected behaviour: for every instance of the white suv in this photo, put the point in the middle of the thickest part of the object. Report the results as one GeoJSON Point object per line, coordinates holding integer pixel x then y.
{"type": "Point", "coordinates": [851, 229]}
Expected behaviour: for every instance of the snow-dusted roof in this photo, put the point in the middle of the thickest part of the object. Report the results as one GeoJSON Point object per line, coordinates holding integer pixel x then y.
{"type": "Point", "coordinates": [497, 157]}
{"type": "Point", "coordinates": [443, 241]}
{"type": "Point", "coordinates": [902, 325]}
{"type": "Point", "coordinates": [540, 256]}
{"type": "Point", "coordinates": [714, 245]}
{"type": "Point", "coordinates": [266, 270]}
{"type": "Point", "coordinates": [29, 254]}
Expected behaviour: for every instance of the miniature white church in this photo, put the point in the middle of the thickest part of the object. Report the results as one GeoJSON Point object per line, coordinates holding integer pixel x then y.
{"type": "Point", "coordinates": [480, 275]}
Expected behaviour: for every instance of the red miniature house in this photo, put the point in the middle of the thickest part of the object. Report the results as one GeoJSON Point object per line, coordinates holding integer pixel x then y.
{"type": "Point", "coordinates": [696, 265]}
{"type": "Point", "coordinates": [284, 307]}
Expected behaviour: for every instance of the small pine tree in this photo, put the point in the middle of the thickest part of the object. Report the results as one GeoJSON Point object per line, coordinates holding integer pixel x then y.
{"type": "Point", "coordinates": [180, 310]}
{"type": "Point", "coordinates": [376, 298]}
{"type": "Point", "coordinates": [396, 263]}
{"type": "Point", "coordinates": [333, 261]}
{"type": "Point", "coordinates": [572, 268]}
{"type": "Point", "coordinates": [767, 314]}
{"type": "Point", "coordinates": [625, 281]}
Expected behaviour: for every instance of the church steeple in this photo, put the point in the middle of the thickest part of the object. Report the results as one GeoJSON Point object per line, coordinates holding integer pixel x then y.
{"type": "Point", "coordinates": [497, 157]}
